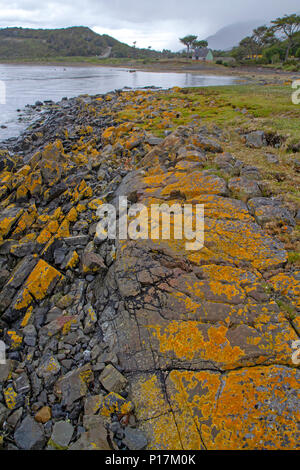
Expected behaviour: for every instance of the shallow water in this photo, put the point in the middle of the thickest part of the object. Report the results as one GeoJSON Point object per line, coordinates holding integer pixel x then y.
{"type": "Point", "coordinates": [26, 84]}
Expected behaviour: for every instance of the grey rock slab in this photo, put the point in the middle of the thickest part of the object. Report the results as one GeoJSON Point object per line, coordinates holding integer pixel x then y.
{"type": "Point", "coordinates": [256, 139]}
{"type": "Point", "coordinates": [267, 210]}
{"type": "Point", "coordinates": [112, 380]}
{"type": "Point", "coordinates": [73, 385]}
{"type": "Point", "coordinates": [244, 189]}
{"type": "Point", "coordinates": [61, 435]}
{"type": "Point", "coordinates": [134, 439]}
{"type": "Point", "coordinates": [29, 435]}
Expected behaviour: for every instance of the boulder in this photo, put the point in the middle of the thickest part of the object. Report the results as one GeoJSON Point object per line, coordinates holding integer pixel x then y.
{"type": "Point", "coordinates": [92, 263]}
{"type": "Point", "coordinates": [271, 158]}
{"type": "Point", "coordinates": [61, 435]}
{"type": "Point", "coordinates": [43, 415]}
{"type": "Point", "coordinates": [243, 188]}
{"type": "Point", "coordinates": [94, 439]}
{"type": "Point", "coordinates": [112, 380]}
{"type": "Point", "coordinates": [266, 210]}
{"type": "Point", "coordinates": [256, 139]}
{"type": "Point", "coordinates": [73, 385]}
{"type": "Point", "coordinates": [8, 218]}
{"type": "Point", "coordinates": [134, 439]}
{"type": "Point", "coordinates": [29, 435]}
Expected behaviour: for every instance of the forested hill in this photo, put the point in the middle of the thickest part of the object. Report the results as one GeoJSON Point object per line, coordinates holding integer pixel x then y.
{"type": "Point", "coordinates": [75, 41]}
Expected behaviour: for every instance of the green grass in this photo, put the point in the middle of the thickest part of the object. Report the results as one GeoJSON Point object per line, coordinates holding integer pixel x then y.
{"type": "Point", "coordinates": [72, 60]}
{"type": "Point", "coordinates": [271, 104]}
{"type": "Point", "coordinates": [294, 257]}
{"type": "Point", "coordinates": [287, 308]}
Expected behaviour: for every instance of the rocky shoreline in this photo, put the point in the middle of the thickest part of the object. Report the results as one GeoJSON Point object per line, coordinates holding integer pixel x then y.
{"type": "Point", "coordinates": [140, 344]}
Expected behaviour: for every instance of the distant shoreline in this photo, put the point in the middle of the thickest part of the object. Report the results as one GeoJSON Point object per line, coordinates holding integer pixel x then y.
{"type": "Point", "coordinates": [179, 66]}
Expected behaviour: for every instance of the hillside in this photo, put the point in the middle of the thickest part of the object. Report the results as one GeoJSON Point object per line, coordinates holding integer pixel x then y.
{"type": "Point", "coordinates": [24, 43]}
{"type": "Point", "coordinates": [230, 36]}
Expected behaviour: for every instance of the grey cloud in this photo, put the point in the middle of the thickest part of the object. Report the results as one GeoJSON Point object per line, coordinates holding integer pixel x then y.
{"type": "Point", "coordinates": [148, 19]}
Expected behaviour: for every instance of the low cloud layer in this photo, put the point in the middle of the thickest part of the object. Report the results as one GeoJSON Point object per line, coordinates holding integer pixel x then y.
{"type": "Point", "coordinates": [155, 23]}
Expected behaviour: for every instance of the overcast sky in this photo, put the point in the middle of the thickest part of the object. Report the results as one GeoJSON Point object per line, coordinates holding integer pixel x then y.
{"type": "Point", "coordinates": [156, 23]}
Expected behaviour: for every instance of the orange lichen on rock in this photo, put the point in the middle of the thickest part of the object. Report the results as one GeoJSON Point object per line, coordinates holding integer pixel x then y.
{"type": "Point", "coordinates": [108, 135]}
{"type": "Point", "coordinates": [186, 341]}
{"type": "Point", "coordinates": [73, 261]}
{"type": "Point", "coordinates": [114, 403]}
{"type": "Point", "coordinates": [234, 412]}
{"type": "Point", "coordinates": [8, 218]}
{"type": "Point", "coordinates": [38, 285]}
{"type": "Point", "coordinates": [72, 215]}
{"type": "Point", "coordinates": [64, 229]}
{"type": "Point", "coordinates": [42, 279]}
{"type": "Point", "coordinates": [203, 335]}
{"type": "Point", "coordinates": [205, 320]}
{"type": "Point", "coordinates": [288, 285]}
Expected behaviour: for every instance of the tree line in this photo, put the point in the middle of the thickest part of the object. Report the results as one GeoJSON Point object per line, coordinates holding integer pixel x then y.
{"type": "Point", "coordinates": [275, 43]}
{"type": "Point", "coordinates": [191, 42]}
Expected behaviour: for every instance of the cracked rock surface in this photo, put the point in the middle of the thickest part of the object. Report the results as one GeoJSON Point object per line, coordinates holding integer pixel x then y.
{"type": "Point", "coordinates": [132, 344]}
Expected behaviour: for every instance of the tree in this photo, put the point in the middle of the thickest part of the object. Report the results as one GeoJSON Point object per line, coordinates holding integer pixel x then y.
{"type": "Point", "coordinates": [188, 41]}
{"type": "Point", "coordinates": [263, 37]}
{"type": "Point", "coordinates": [197, 44]}
{"type": "Point", "coordinates": [248, 47]}
{"type": "Point", "coordinates": [288, 25]}
{"type": "Point", "coordinates": [275, 53]}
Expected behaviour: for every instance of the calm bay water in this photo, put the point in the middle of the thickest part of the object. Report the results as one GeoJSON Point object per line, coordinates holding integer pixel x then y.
{"type": "Point", "coordinates": [26, 84]}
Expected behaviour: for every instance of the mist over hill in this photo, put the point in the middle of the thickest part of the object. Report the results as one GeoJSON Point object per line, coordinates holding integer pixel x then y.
{"type": "Point", "coordinates": [230, 36]}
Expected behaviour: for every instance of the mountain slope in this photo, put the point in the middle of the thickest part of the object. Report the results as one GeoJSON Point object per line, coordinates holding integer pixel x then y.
{"type": "Point", "coordinates": [230, 36]}
{"type": "Point", "coordinates": [74, 41]}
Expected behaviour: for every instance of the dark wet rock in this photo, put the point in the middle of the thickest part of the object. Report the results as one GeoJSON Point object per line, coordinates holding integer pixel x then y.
{"type": "Point", "coordinates": [256, 139]}
{"type": "Point", "coordinates": [244, 189]}
{"type": "Point", "coordinates": [22, 384]}
{"type": "Point", "coordinates": [29, 435]}
{"type": "Point", "coordinates": [4, 412]}
{"type": "Point", "coordinates": [92, 263]}
{"type": "Point", "coordinates": [73, 385]}
{"type": "Point", "coordinates": [61, 435]}
{"type": "Point", "coordinates": [77, 240]}
{"type": "Point", "coordinates": [271, 158]}
{"type": "Point", "coordinates": [55, 191]}
{"type": "Point", "coordinates": [112, 380]}
{"type": "Point", "coordinates": [134, 439]}
{"type": "Point", "coordinates": [58, 411]}
{"type": "Point", "coordinates": [30, 335]}
{"type": "Point", "coordinates": [250, 172]}
{"type": "Point", "coordinates": [267, 210]}
{"type": "Point", "coordinates": [94, 439]}
{"type": "Point", "coordinates": [14, 418]}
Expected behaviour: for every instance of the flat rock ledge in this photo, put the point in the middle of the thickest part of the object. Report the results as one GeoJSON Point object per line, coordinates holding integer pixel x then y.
{"type": "Point", "coordinates": [134, 344]}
